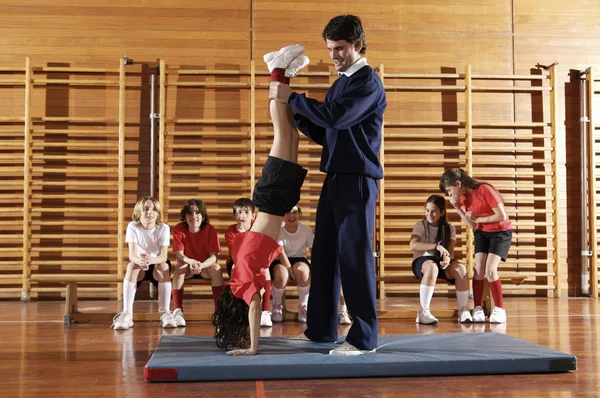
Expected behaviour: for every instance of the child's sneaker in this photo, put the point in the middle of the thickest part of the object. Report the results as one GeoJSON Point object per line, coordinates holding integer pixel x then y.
{"type": "Point", "coordinates": [167, 320]}
{"type": "Point", "coordinates": [498, 315]}
{"type": "Point", "coordinates": [302, 313]}
{"type": "Point", "coordinates": [424, 317]}
{"type": "Point", "coordinates": [348, 349]}
{"type": "Point", "coordinates": [265, 319]}
{"type": "Point", "coordinates": [464, 316]}
{"type": "Point", "coordinates": [277, 313]}
{"type": "Point", "coordinates": [343, 318]}
{"type": "Point", "coordinates": [122, 321]}
{"type": "Point", "coordinates": [284, 57]}
{"type": "Point", "coordinates": [478, 314]}
{"type": "Point", "coordinates": [178, 316]}
{"type": "Point", "coordinates": [297, 64]}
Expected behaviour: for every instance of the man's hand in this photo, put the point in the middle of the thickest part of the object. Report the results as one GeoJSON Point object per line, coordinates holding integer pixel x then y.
{"type": "Point", "coordinates": [280, 92]}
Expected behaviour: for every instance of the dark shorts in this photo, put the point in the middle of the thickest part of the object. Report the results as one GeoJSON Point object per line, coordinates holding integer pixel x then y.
{"type": "Point", "coordinates": [293, 260]}
{"type": "Point", "coordinates": [149, 274]}
{"type": "Point", "coordinates": [497, 243]}
{"type": "Point", "coordinates": [278, 189]}
{"type": "Point", "coordinates": [418, 263]}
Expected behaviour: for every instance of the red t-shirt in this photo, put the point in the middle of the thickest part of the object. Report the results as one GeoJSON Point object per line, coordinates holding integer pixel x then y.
{"type": "Point", "coordinates": [198, 246]}
{"type": "Point", "coordinates": [481, 203]}
{"type": "Point", "coordinates": [230, 235]}
{"type": "Point", "coordinates": [252, 252]}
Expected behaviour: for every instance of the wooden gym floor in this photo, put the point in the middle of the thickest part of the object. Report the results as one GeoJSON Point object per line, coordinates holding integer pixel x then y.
{"type": "Point", "coordinates": [42, 357]}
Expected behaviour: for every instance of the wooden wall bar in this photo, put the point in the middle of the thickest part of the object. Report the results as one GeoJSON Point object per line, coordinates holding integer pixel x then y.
{"type": "Point", "coordinates": [501, 38]}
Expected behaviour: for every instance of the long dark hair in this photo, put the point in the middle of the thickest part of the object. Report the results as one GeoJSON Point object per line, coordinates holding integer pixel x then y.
{"type": "Point", "coordinates": [443, 232]}
{"type": "Point", "coordinates": [201, 208]}
{"type": "Point", "coordinates": [452, 176]}
{"type": "Point", "coordinates": [231, 321]}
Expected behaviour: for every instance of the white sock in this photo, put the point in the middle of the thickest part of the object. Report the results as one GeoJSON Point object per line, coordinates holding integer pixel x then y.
{"type": "Point", "coordinates": [343, 308]}
{"type": "Point", "coordinates": [164, 296]}
{"type": "Point", "coordinates": [426, 293]}
{"type": "Point", "coordinates": [303, 294]}
{"type": "Point", "coordinates": [462, 298]}
{"type": "Point", "coordinates": [129, 290]}
{"type": "Point", "coordinates": [277, 294]}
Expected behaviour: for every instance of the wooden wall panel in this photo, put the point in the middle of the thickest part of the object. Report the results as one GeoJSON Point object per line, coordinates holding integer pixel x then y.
{"type": "Point", "coordinates": [409, 36]}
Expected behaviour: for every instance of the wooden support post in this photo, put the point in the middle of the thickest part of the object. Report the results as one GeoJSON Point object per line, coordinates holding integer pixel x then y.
{"type": "Point", "coordinates": [592, 202]}
{"type": "Point", "coordinates": [252, 126]}
{"type": "Point", "coordinates": [558, 277]}
{"type": "Point", "coordinates": [121, 177]}
{"type": "Point", "coordinates": [27, 144]}
{"type": "Point", "coordinates": [469, 159]}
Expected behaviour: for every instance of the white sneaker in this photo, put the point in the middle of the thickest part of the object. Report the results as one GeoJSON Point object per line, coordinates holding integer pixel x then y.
{"type": "Point", "coordinates": [277, 313]}
{"type": "Point", "coordinates": [284, 57]}
{"type": "Point", "coordinates": [265, 319]}
{"type": "Point", "coordinates": [122, 321]}
{"type": "Point", "coordinates": [348, 349]}
{"type": "Point", "coordinates": [464, 316]}
{"type": "Point", "coordinates": [297, 64]}
{"type": "Point", "coordinates": [302, 313]}
{"type": "Point", "coordinates": [424, 317]}
{"type": "Point", "coordinates": [478, 314]}
{"type": "Point", "coordinates": [498, 315]}
{"type": "Point", "coordinates": [178, 316]}
{"type": "Point", "coordinates": [167, 320]}
{"type": "Point", "coordinates": [343, 318]}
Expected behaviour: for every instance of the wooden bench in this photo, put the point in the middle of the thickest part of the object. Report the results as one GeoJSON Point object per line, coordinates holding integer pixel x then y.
{"type": "Point", "coordinates": [72, 313]}
{"type": "Point", "coordinates": [72, 281]}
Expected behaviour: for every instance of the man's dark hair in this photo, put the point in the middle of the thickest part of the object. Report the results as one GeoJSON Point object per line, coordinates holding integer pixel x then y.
{"type": "Point", "coordinates": [346, 27]}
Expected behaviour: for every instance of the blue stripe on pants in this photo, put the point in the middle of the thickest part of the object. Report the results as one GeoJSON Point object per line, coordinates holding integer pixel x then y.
{"type": "Point", "coordinates": [342, 248]}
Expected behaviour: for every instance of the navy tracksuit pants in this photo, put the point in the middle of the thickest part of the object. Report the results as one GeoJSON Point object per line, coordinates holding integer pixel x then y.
{"type": "Point", "coordinates": [342, 250]}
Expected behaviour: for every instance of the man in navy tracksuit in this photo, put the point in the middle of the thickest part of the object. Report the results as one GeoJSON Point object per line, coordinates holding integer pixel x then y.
{"type": "Point", "coordinates": [348, 124]}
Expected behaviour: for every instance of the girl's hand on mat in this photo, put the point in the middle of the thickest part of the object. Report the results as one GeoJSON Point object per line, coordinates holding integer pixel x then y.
{"type": "Point", "coordinates": [244, 351]}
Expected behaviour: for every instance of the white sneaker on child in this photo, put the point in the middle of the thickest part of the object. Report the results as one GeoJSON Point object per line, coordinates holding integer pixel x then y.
{"type": "Point", "coordinates": [348, 349]}
{"type": "Point", "coordinates": [297, 64]}
{"type": "Point", "coordinates": [302, 310]}
{"type": "Point", "coordinates": [343, 318]}
{"type": "Point", "coordinates": [284, 57]}
{"type": "Point", "coordinates": [167, 320]}
{"type": "Point", "coordinates": [178, 316]}
{"type": "Point", "coordinates": [498, 315]}
{"type": "Point", "coordinates": [424, 317]}
{"type": "Point", "coordinates": [122, 321]}
{"type": "Point", "coordinates": [478, 314]}
{"type": "Point", "coordinates": [277, 313]}
{"type": "Point", "coordinates": [265, 319]}
{"type": "Point", "coordinates": [464, 316]}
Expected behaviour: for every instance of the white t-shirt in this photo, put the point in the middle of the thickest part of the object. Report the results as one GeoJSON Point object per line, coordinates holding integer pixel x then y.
{"type": "Point", "coordinates": [148, 241]}
{"type": "Point", "coordinates": [295, 243]}
{"type": "Point", "coordinates": [428, 236]}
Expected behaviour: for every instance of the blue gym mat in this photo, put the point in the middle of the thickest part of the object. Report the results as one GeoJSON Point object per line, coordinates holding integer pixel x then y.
{"type": "Point", "coordinates": [190, 358]}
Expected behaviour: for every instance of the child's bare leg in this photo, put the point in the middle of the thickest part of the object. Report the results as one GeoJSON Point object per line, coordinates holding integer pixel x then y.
{"type": "Point", "coordinates": [285, 147]}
